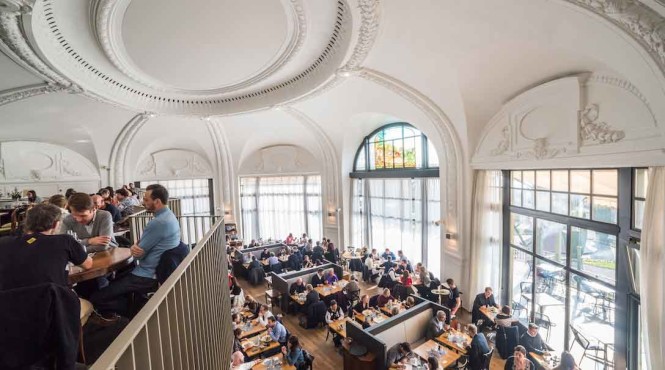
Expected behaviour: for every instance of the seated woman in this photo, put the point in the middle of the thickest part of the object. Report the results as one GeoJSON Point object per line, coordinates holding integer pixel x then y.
{"type": "Point", "coordinates": [293, 354]}
{"type": "Point", "coordinates": [518, 360]}
{"type": "Point", "coordinates": [504, 317]}
{"type": "Point", "coordinates": [264, 315]}
{"type": "Point", "coordinates": [567, 362]}
{"type": "Point", "coordinates": [363, 304]}
{"type": "Point", "coordinates": [384, 298]}
{"type": "Point", "coordinates": [252, 305]}
{"type": "Point", "coordinates": [410, 302]}
{"type": "Point", "coordinates": [406, 279]}
{"type": "Point", "coordinates": [307, 262]}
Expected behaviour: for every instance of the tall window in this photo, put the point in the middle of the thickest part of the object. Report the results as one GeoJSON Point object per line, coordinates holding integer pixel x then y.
{"type": "Point", "coordinates": [566, 250]}
{"type": "Point", "coordinates": [273, 207]}
{"type": "Point", "coordinates": [195, 194]}
{"type": "Point", "coordinates": [396, 194]}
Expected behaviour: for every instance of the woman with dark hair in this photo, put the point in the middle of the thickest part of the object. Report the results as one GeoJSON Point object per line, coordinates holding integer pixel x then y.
{"type": "Point", "coordinates": [432, 363]}
{"type": "Point", "coordinates": [33, 198]}
{"type": "Point", "coordinates": [518, 360]}
{"type": "Point", "coordinates": [236, 340]}
{"type": "Point", "coordinates": [293, 354]}
{"type": "Point", "coordinates": [69, 192]}
{"type": "Point", "coordinates": [567, 362]}
{"type": "Point", "coordinates": [406, 279]}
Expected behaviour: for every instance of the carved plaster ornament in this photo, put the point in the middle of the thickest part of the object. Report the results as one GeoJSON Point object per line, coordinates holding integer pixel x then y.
{"type": "Point", "coordinates": [504, 144]}
{"type": "Point", "coordinates": [198, 167]}
{"type": "Point", "coordinates": [600, 132]}
{"type": "Point", "coordinates": [148, 167]}
{"type": "Point", "coordinates": [541, 150]}
{"type": "Point", "coordinates": [16, 6]}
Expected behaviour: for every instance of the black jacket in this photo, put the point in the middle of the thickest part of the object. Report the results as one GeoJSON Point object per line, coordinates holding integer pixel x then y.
{"type": "Point", "coordinates": [295, 288]}
{"type": "Point", "coordinates": [39, 322]}
{"type": "Point", "coordinates": [316, 280]}
{"type": "Point", "coordinates": [479, 302]}
{"type": "Point", "coordinates": [312, 297]}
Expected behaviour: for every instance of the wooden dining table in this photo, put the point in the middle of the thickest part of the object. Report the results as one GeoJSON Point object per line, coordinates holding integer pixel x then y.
{"type": "Point", "coordinates": [446, 338]}
{"type": "Point", "coordinates": [260, 365]}
{"type": "Point", "coordinates": [103, 263]}
{"type": "Point", "coordinates": [490, 312]}
{"type": "Point", "coordinates": [446, 359]}
{"type": "Point", "coordinates": [255, 328]}
{"type": "Point", "coordinates": [540, 361]}
{"type": "Point", "coordinates": [252, 350]}
{"type": "Point", "coordinates": [339, 327]}
{"type": "Point", "coordinates": [327, 290]}
{"type": "Point", "coordinates": [360, 317]}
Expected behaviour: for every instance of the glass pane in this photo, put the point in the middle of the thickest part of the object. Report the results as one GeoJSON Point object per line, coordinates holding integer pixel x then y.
{"type": "Point", "coordinates": [432, 156]}
{"type": "Point", "coordinates": [560, 181]}
{"type": "Point", "coordinates": [605, 182]}
{"type": "Point", "coordinates": [639, 214]}
{"type": "Point", "coordinates": [551, 240]}
{"type": "Point", "coordinates": [521, 284]}
{"type": "Point", "coordinates": [521, 231]}
{"type": "Point", "coordinates": [410, 153]}
{"type": "Point", "coordinates": [528, 179]}
{"type": "Point", "coordinates": [560, 203]}
{"type": "Point", "coordinates": [528, 201]}
{"type": "Point", "coordinates": [641, 182]}
{"type": "Point", "coordinates": [580, 206]}
{"type": "Point", "coordinates": [580, 181]}
{"type": "Point", "coordinates": [634, 267]}
{"type": "Point", "coordinates": [389, 156]}
{"type": "Point", "coordinates": [516, 197]}
{"type": "Point", "coordinates": [594, 253]}
{"type": "Point", "coordinates": [605, 209]}
{"type": "Point", "coordinates": [549, 304]}
{"type": "Point", "coordinates": [517, 179]}
{"type": "Point", "coordinates": [373, 156]}
{"type": "Point", "coordinates": [592, 315]}
{"type": "Point", "coordinates": [543, 201]}
{"type": "Point", "coordinates": [543, 180]}
{"type": "Point", "coordinates": [398, 153]}
{"type": "Point", "coordinates": [360, 162]}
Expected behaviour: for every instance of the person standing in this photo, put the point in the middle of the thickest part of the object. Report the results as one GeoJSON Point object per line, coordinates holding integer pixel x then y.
{"type": "Point", "coordinates": [161, 234]}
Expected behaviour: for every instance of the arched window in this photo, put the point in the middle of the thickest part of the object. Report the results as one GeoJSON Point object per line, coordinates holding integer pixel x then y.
{"type": "Point", "coordinates": [396, 196]}
{"type": "Point", "coordinates": [397, 146]}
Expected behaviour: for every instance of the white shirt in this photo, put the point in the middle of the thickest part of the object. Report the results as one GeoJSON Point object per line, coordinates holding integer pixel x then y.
{"type": "Point", "coordinates": [263, 319]}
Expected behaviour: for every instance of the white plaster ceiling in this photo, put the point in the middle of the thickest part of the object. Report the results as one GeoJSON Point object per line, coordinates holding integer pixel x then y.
{"type": "Point", "coordinates": [210, 33]}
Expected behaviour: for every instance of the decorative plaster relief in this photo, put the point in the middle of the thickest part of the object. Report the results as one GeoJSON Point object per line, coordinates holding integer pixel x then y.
{"type": "Point", "coordinates": [504, 144]}
{"type": "Point", "coordinates": [31, 161]}
{"type": "Point", "coordinates": [370, 16]}
{"type": "Point", "coordinates": [278, 159]}
{"type": "Point", "coordinates": [592, 130]}
{"type": "Point", "coordinates": [118, 158]}
{"type": "Point", "coordinates": [13, 95]}
{"type": "Point", "coordinates": [173, 163]}
{"type": "Point", "coordinates": [541, 150]}
{"type": "Point", "coordinates": [16, 6]}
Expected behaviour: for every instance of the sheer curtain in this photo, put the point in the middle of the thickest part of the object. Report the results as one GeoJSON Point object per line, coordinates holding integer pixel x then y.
{"type": "Point", "coordinates": [358, 214]}
{"type": "Point", "coordinates": [486, 227]}
{"type": "Point", "coordinates": [433, 231]}
{"type": "Point", "coordinates": [248, 208]}
{"type": "Point", "coordinates": [314, 204]}
{"type": "Point", "coordinates": [652, 257]}
{"type": "Point", "coordinates": [281, 206]}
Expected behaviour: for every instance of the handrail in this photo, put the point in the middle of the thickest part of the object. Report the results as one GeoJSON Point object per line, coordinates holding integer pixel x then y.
{"type": "Point", "coordinates": [186, 324]}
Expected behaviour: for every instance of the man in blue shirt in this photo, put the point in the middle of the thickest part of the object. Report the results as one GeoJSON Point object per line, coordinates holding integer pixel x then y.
{"type": "Point", "coordinates": [388, 255]}
{"type": "Point", "coordinates": [161, 234]}
{"type": "Point", "coordinates": [276, 331]}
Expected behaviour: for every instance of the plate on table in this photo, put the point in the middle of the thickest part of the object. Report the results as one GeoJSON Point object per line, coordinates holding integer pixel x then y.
{"type": "Point", "coordinates": [266, 338]}
{"type": "Point", "coordinates": [248, 344]}
{"type": "Point", "coordinates": [267, 362]}
{"type": "Point", "coordinates": [367, 312]}
{"type": "Point", "coordinates": [378, 319]}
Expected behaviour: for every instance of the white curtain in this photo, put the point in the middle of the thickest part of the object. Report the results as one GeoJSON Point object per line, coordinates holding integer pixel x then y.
{"type": "Point", "coordinates": [314, 204]}
{"type": "Point", "coordinates": [281, 206]}
{"type": "Point", "coordinates": [433, 231]}
{"type": "Point", "coordinates": [248, 208]}
{"type": "Point", "coordinates": [652, 257]}
{"type": "Point", "coordinates": [486, 226]}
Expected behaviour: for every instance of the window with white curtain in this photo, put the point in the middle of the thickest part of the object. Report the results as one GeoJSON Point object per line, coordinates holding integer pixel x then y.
{"type": "Point", "coordinates": [395, 199]}
{"type": "Point", "coordinates": [195, 194]}
{"type": "Point", "coordinates": [273, 207]}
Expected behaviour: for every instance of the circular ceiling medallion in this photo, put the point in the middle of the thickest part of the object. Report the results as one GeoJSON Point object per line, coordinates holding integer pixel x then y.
{"type": "Point", "coordinates": [203, 44]}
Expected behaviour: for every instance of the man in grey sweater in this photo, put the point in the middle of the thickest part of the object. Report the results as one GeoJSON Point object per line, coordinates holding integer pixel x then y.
{"type": "Point", "coordinates": [93, 227]}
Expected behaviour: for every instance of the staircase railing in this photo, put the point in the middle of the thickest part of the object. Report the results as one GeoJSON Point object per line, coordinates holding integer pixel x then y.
{"type": "Point", "coordinates": [187, 323]}
{"type": "Point", "coordinates": [192, 228]}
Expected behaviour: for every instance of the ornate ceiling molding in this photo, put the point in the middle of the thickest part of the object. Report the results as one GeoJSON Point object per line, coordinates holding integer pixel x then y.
{"type": "Point", "coordinates": [370, 14]}
{"type": "Point", "coordinates": [599, 132]}
{"type": "Point", "coordinates": [452, 163]}
{"type": "Point", "coordinates": [14, 95]}
{"type": "Point", "coordinates": [328, 153]}
{"type": "Point", "coordinates": [121, 145]}
{"type": "Point", "coordinates": [107, 17]}
{"type": "Point", "coordinates": [13, 42]}
{"type": "Point", "coordinates": [644, 24]}
{"type": "Point", "coordinates": [16, 6]}
{"type": "Point", "coordinates": [224, 162]}
{"type": "Point", "coordinates": [622, 84]}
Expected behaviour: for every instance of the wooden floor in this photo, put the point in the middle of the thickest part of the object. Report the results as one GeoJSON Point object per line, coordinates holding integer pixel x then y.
{"type": "Point", "coordinates": [314, 340]}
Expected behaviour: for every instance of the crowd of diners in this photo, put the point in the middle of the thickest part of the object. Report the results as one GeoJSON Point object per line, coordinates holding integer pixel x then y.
{"type": "Point", "coordinates": [398, 282]}
{"type": "Point", "coordinates": [62, 231]}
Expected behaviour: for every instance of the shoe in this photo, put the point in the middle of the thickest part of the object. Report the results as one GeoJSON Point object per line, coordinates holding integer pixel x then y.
{"type": "Point", "coordinates": [100, 320]}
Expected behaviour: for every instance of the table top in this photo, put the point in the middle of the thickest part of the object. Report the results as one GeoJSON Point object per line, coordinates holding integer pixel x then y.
{"type": "Point", "coordinates": [490, 313]}
{"type": "Point", "coordinates": [102, 263]}
{"type": "Point", "coordinates": [327, 290]}
{"type": "Point", "coordinates": [388, 311]}
{"type": "Point", "coordinates": [339, 326]}
{"type": "Point", "coordinates": [446, 359]}
{"type": "Point", "coordinates": [252, 350]}
{"type": "Point", "coordinates": [284, 365]}
{"type": "Point", "coordinates": [441, 291]}
{"type": "Point", "coordinates": [460, 337]}
{"type": "Point", "coordinates": [281, 259]}
{"type": "Point", "coordinates": [380, 317]}
{"type": "Point", "coordinates": [347, 256]}
{"type": "Point", "coordinates": [254, 329]}
{"type": "Point", "coordinates": [540, 361]}
{"type": "Point", "coordinates": [544, 300]}
{"type": "Point", "coordinates": [296, 299]}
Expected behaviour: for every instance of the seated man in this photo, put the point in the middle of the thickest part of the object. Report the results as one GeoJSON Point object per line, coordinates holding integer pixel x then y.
{"type": "Point", "coordinates": [331, 278]}
{"type": "Point", "coordinates": [351, 290]}
{"type": "Point", "coordinates": [483, 299]}
{"type": "Point", "coordinates": [533, 342]}
{"type": "Point", "coordinates": [277, 331]}
{"type": "Point", "coordinates": [401, 257]}
{"type": "Point", "coordinates": [126, 201]}
{"type": "Point", "coordinates": [388, 255]}
{"type": "Point", "coordinates": [108, 207]}
{"type": "Point", "coordinates": [437, 325]}
{"type": "Point", "coordinates": [362, 305]}
{"type": "Point", "coordinates": [398, 354]}
{"type": "Point", "coordinates": [477, 348]}
{"type": "Point", "coordinates": [273, 259]}
{"type": "Point", "coordinates": [312, 295]}
{"type": "Point", "coordinates": [318, 279]}
{"type": "Point", "coordinates": [334, 313]}
{"type": "Point", "coordinates": [504, 318]}
{"type": "Point", "coordinates": [317, 253]}
{"type": "Point", "coordinates": [161, 234]}
{"type": "Point", "coordinates": [254, 263]}
{"type": "Point", "coordinates": [93, 227]}
{"type": "Point", "coordinates": [265, 254]}
{"type": "Point", "coordinates": [384, 298]}
{"type": "Point", "coordinates": [297, 287]}
{"type": "Point", "coordinates": [453, 301]}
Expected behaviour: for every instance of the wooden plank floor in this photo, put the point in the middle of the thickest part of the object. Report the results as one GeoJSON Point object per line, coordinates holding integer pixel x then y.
{"type": "Point", "coordinates": [314, 340]}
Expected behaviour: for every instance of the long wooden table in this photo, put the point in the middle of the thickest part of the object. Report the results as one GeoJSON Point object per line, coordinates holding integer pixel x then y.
{"type": "Point", "coordinates": [339, 327]}
{"type": "Point", "coordinates": [103, 263]}
{"type": "Point", "coordinates": [490, 313]}
{"type": "Point", "coordinates": [327, 290]}
{"type": "Point", "coordinates": [448, 358]}
{"type": "Point", "coordinates": [279, 358]}
{"type": "Point", "coordinates": [254, 329]}
{"type": "Point", "coordinates": [457, 345]}
{"type": "Point", "coordinates": [540, 361]}
{"type": "Point", "coordinates": [360, 317]}
{"type": "Point", "coordinates": [388, 311]}
{"type": "Point", "coordinates": [252, 350]}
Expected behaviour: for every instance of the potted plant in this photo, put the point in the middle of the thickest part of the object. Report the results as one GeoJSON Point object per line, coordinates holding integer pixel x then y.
{"type": "Point", "coordinates": [16, 195]}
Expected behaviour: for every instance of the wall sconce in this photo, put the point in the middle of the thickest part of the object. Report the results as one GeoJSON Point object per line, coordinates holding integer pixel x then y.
{"type": "Point", "coordinates": [331, 214]}
{"type": "Point", "coordinates": [449, 236]}
{"type": "Point", "coordinates": [227, 212]}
